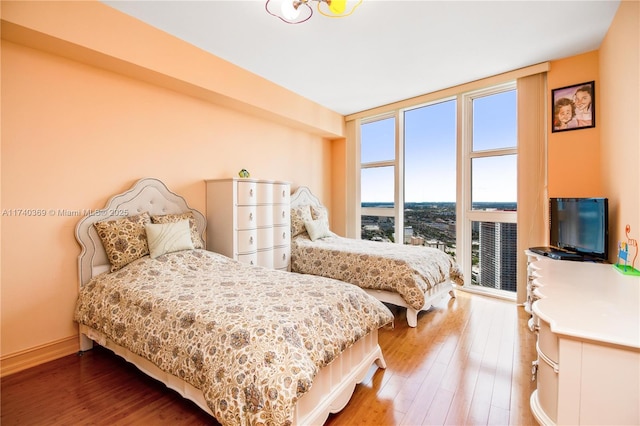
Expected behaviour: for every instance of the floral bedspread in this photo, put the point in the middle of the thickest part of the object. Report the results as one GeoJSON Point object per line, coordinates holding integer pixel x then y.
{"type": "Point", "coordinates": [404, 269]}
{"type": "Point", "coordinates": [252, 339]}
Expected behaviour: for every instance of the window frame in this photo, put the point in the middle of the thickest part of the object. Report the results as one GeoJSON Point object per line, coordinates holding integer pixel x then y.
{"type": "Point", "coordinates": [467, 215]}
{"type": "Point", "coordinates": [398, 173]}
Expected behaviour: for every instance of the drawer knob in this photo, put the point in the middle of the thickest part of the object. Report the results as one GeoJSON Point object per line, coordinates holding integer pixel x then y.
{"type": "Point", "coordinates": [283, 214]}
{"type": "Point", "coordinates": [251, 216]}
{"type": "Point", "coordinates": [284, 194]}
{"type": "Point", "coordinates": [251, 240]}
{"type": "Point", "coordinates": [284, 256]}
{"type": "Point", "coordinates": [251, 192]}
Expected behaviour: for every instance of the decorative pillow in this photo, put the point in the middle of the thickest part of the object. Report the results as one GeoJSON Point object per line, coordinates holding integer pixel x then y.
{"type": "Point", "coordinates": [317, 229]}
{"type": "Point", "coordinates": [124, 240]}
{"type": "Point", "coordinates": [168, 237]}
{"type": "Point", "coordinates": [171, 218]}
{"type": "Point", "coordinates": [320, 213]}
{"type": "Point", "coordinates": [299, 215]}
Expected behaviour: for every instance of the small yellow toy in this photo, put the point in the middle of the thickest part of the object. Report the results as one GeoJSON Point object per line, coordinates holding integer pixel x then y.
{"type": "Point", "coordinates": [243, 173]}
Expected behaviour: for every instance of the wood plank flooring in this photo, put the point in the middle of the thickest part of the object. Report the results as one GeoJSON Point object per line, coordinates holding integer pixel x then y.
{"type": "Point", "coordinates": [467, 363]}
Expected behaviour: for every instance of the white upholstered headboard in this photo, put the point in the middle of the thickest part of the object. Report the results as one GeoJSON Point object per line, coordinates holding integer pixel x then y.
{"type": "Point", "coordinates": [303, 197]}
{"type": "Point", "coordinates": [150, 195]}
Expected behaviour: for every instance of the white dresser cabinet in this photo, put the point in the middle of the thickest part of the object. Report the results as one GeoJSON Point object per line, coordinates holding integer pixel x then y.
{"type": "Point", "coordinates": [248, 220]}
{"type": "Point", "coordinates": [588, 323]}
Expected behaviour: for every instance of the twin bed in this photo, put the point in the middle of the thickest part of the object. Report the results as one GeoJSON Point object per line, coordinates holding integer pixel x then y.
{"type": "Point", "coordinates": [413, 277]}
{"type": "Point", "coordinates": [248, 345]}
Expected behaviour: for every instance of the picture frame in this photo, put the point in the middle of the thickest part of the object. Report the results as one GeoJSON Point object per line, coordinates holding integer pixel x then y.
{"type": "Point", "coordinates": [573, 107]}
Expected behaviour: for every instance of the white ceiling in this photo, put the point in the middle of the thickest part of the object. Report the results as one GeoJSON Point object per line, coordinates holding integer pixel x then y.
{"type": "Point", "coordinates": [388, 50]}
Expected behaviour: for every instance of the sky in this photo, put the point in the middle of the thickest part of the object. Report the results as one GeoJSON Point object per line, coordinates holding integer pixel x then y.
{"type": "Point", "coordinates": [430, 152]}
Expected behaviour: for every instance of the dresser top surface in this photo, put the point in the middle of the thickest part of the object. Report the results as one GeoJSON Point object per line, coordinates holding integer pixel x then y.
{"type": "Point", "coordinates": [588, 301]}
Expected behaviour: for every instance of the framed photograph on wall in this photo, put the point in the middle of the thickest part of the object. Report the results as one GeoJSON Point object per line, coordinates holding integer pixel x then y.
{"type": "Point", "coordinates": [574, 107]}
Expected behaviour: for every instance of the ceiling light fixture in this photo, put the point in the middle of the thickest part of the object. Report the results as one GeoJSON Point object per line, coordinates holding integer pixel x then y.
{"type": "Point", "coordinates": [298, 11]}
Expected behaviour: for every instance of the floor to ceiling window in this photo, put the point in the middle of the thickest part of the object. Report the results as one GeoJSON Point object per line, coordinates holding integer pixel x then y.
{"type": "Point", "coordinates": [378, 178]}
{"type": "Point", "coordinates": [490, 189]}
{"type": "Point", "coordinates": [421, 167]}
{"type": "Point", "coordinates": [430, 175]}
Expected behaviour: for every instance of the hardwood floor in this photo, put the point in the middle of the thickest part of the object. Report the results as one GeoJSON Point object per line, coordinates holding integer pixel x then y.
{"type": "Point", "coordinates": [467, 363]}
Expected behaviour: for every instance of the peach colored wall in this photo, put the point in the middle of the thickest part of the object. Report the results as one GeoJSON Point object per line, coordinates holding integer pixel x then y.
{"type": "Point", "coordinates": [620, 122]}
{"type": "Point", "coordinates": [604, 161]}
{"type": "Point", "coordinates": [338, 186]}
{"type": "Point", "coordinates": [574, 156]}
{"type": "Point", "coordinates": [74, 133]}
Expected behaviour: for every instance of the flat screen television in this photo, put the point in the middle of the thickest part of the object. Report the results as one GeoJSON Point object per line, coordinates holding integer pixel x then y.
{"type": "Point", "coordinates": [580, 225]}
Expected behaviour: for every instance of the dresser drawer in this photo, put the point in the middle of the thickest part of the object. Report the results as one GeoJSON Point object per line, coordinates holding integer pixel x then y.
{"type": "Point", "coordinates": [247, 241]}
{"type": "Point", "coordinates": [547, 341]}
{"type": "Point", "coordinates": [249, 258]}
{"type": "Point", "coordinates": [281, 256]}
{"type": "Point", "coordinates": [247, 193]}
{"type": "Point", "coordinates": [547, 384]}
{"type": "Point", "coordinates": [265, 215]}
{"type": "Point", "coordinates": [281, 235]}
{"type": "Point", "coordinates": [247, 217]}
{"type": "Point", "coordinates": [265, 258]}
{"type": "Point", "coordinates": [281, 193]}
{"type": "Point", "coordinates": [265, 193]}
{"type": "Point", "coordinates": [281, 214]}
{"type": "Point", "coordinates": [265, 238]}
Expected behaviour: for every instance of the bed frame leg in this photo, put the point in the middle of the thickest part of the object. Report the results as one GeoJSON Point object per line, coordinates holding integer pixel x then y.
{"type": "Point", "coordinates": [85, 343]}
{"type": "Point", "coordinates": [412, 317]}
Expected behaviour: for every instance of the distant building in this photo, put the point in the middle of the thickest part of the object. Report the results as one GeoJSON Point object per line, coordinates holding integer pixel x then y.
{"type": "Point", "coordinates": [440, 245]}
{"type": "Point", "coordinates": [416, 241]}
{"type": "Point", "coordinates": [408, 235]}
{"type": "Point", "coordinates": [497, 256]}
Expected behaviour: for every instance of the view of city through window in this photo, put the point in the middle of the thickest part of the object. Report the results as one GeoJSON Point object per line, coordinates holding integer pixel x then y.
{"type": "Point", "coordinates": [429, 165]}
{"type": "Point", "coordinates": [433, 224]}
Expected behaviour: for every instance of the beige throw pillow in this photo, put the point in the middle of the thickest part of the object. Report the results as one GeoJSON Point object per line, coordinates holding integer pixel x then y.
{"type": "Point", "coordinates": [168, 237]}
{"type": "Point", "coordinates": [317, 229]}
{"type": "Point", "coordinates": [169, 218]}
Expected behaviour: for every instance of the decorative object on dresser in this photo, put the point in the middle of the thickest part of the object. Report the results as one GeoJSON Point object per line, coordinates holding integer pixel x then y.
{"type": "Point", "coordinates": [221, 333]}
{"type": "Point", "coordinates": [413, 277]}
{"type": "Point", "coordinates": [587, 319]}
{"type": "Point", "coordinates": [248, 220]}
{"type": "Point", "coordinates": [624, 263]}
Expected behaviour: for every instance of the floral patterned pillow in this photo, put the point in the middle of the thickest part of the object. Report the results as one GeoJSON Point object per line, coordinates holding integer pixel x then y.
{"type": "Point", "coordinates": [171, 218]}
{"type": "Point", "coordinates": [299, 215]}
{"type": "Point", "coordinates": [320, 213]}
{"type": "Point", "coordinates": [125, 239]}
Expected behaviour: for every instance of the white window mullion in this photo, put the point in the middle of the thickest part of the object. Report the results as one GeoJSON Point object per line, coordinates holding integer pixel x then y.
{"type": "Point", "coordinates": [399, 184]}
{"type": "Point", "coordinates": [464, 223]}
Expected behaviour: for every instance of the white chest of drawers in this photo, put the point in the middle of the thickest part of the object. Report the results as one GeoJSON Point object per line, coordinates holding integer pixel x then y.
{"type": "Point", "coordinates": [587, 317]}
{"type": "Point", "coordinates": [249, 220]}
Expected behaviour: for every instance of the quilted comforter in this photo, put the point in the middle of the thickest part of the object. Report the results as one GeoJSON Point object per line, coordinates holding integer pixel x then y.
{"type": "Point", "coordinates": [252, 339]}
{"type": "Point", "coordinates": [403, 269]}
